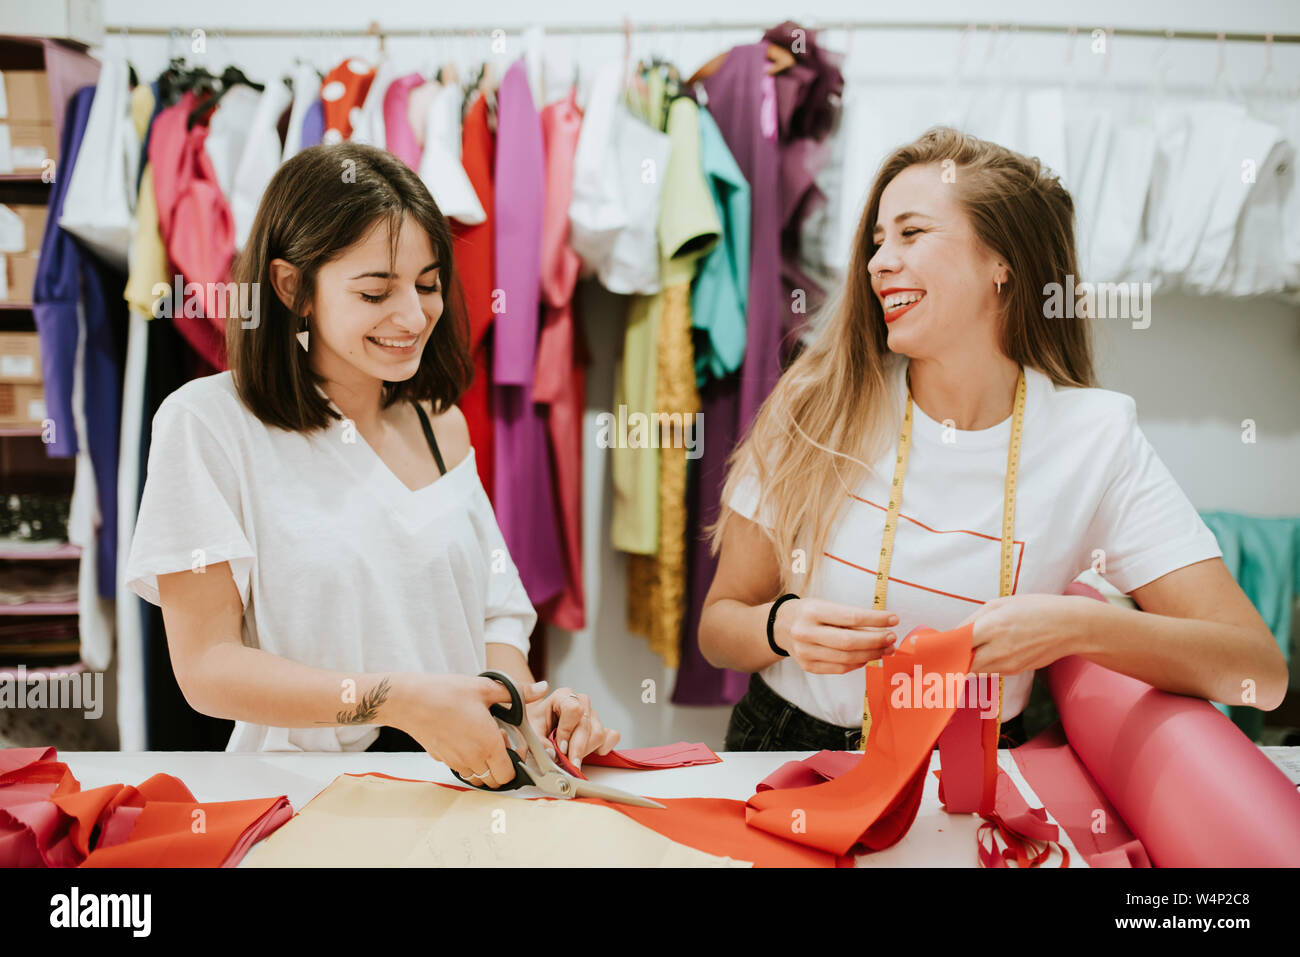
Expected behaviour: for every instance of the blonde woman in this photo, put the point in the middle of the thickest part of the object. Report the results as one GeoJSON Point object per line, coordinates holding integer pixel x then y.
{"type": "Point", "coordinates": [949, 344]}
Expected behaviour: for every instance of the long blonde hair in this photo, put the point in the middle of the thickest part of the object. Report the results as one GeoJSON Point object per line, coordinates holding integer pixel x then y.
{"type": "Point", "coordinates": [832, 412]}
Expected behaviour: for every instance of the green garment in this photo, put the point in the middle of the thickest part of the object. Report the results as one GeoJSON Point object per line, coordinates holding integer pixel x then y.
{"type": "Point", "coordinates": [688, 228]}
{"type": "Point", "coordinates": [721, 289]}
{"type": "Point", "coordinates": [1263, 555]}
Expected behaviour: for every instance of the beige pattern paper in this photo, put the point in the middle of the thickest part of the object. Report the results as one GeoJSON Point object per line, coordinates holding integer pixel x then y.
{"type": "Point", "coordinates": [373, 821]}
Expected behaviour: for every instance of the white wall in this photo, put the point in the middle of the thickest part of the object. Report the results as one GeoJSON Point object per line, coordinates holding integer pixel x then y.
{"type": "Point", "coordinates": [1201, 367]}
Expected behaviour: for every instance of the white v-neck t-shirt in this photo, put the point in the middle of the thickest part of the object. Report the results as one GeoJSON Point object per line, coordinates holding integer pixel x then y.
{"type": "Point", "coordinates": [339, 564]}
{"type": "Point", "coordinates": [1090, 488]}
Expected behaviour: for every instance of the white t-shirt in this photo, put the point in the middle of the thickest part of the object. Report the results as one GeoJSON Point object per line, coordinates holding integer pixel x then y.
{"type": "Point", "coordinates": [340, 566]}
{"type": "Point", "coordinates": [1088, 479]}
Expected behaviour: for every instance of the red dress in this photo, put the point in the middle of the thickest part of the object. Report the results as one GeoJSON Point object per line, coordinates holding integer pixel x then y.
{"type": "Point", "coordinates": [472, 248]}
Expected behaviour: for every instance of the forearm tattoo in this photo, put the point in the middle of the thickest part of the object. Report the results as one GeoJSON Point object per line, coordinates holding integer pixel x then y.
{"type": "Point", "coordinates": [367, 708]}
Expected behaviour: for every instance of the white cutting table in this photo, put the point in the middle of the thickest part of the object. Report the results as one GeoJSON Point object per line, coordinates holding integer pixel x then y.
{"type": "Point", "coordinates": [936, 838]}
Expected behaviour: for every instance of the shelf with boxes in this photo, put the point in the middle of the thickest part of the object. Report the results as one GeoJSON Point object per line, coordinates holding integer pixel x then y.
{"type": "Point", "coordinates": [39, 568]}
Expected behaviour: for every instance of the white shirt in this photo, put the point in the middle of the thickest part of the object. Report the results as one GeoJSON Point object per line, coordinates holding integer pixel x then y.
{"type": "Point", "coordinates": [440, 166]}
{"type": "Point", "coordinates": [259, 161]}
{"type": "Point", "coordinates": [1088, 480]}
{"type": "Point", "coordinates": [339, 565]}
{"type": "Point", "coordinates": [618, 173]}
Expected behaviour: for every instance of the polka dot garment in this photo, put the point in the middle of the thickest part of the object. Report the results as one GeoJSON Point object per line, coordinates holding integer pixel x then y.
{"type": "Point", "coordinates": [342, 92]}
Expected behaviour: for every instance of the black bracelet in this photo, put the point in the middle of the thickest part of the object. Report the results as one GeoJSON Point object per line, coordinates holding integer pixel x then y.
{"type": "Point", "coordinates": [771, 620]}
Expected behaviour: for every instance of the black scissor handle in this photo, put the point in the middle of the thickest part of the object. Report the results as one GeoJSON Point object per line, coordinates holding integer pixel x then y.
{"type": "Point", "coordinates": [521, 778]}
{"type": "Point", "coordinates": [513, 715]}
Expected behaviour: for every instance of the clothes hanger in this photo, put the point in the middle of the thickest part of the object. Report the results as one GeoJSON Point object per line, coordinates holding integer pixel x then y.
{"type": "Point", "coordinates": [779, 59]}
{"type": "Point", "coordinates": [230, 78]}
{"type": "Point", "coordinates": [375, 31]}
{"type": "Point", "coordinates": [576, 78]}
{"type": "Point", "coordinates": [1224, 87]}
{"type": "Point", "coordinates": [956, 79]}
{"type": "Point", "coordinates": [1160, 73]}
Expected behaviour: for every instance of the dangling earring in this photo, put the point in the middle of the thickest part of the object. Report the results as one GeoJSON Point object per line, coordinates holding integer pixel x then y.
{"type": "Point", "coordinates": [998, 282]}
{"type": "Point", "coordinates": [302, 336]}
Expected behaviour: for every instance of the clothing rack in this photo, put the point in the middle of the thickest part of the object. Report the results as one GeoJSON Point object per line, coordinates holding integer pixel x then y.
{"type": "Point", "coordinates": [711, 26]}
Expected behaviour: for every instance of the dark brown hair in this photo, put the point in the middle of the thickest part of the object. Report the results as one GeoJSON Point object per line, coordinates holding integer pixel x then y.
{"type": "Point", "coordinates": [319, 203]}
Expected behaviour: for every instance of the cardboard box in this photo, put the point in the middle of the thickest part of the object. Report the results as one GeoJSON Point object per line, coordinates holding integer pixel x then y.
{"type": "Point", "coordinates": [22, 227]}
{"type": "Point", "coordinates": [27, 96]}
{"type": "Point", "coordinates": [22, 404]}
{"type": "Point", "coordinates": [20, 357]}
{"type": "Point", "coordinates": [22, 276]}
{"type": "Point", "coordinates": [30, 145]}
{"type": "Point", "coordinates": [33, 217]}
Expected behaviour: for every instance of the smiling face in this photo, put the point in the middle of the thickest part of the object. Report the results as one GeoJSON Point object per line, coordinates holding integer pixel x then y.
{"type": "Point", "coordinates": [371, 318]}
{"type": "Point", "coordinates": [934, 280]}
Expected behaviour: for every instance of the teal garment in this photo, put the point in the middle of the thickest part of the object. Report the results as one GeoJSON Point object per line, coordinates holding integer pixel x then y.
{"type": "Point", "coordinates": [720, 291]}
{"type": "Point", "coordinates": [1263, 555]}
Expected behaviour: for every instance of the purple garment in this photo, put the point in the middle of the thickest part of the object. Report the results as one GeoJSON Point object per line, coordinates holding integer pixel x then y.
{"type": "Point", "coordinates": [523, 498]}
{"type": "Point", "coordinates": [698, 682]}
{"type": "Point", "coordinates": [736, 103]}
{"type": "Point", "coordinates": [811, 91]}
{"type": "Point", "coordinates": [399, 138]}
{"type": "Point", "coordinates": [755, 114]}
{"type": "Point", "coordinates": [313, 125]}
{"type": "Point", "coordinates": [70, 281]}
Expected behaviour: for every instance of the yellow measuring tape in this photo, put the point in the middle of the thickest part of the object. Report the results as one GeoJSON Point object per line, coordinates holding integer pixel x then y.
{"type": "Point", "coordinates": [891, 524]}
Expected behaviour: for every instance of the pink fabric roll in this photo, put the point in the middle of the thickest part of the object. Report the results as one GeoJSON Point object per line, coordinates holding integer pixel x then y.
{"type": "Point", "coordinates": [1194, 789]}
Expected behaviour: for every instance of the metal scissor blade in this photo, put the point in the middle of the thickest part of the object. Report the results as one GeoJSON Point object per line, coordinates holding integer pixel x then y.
{"type": "Point", "coordinates": [583, 788]}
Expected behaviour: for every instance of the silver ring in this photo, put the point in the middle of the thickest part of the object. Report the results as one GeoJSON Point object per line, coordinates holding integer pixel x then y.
{"type": "Point", "coordinates": [572, 695]}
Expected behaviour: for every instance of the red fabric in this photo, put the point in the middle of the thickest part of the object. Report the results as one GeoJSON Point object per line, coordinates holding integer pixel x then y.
{"type": "Point", "coordinates": [47, 820]}
{"type": "Point", "coordinates": [195, 223]}
{"type": "Point", "coordinates": [712, 825]}
{"type": "Point", "coordinates": [473, 249]}
{"type": "Point", "coordinates": [32, 832]}
{"type": "Point", "coordinates": [337, 102]}
{"type": "Point", "coordinates": [560, 379]}
{"type": "Point", "coordinates": [975, 783]}
{"type": "Point", "coordinates": [842, 800]}
{"type": "Point", "coordinates": [658, 758]}
{"type": "Point", "coordinates": [822, 766]}
{"type": "Point", "coordinates": [875, 802]}
{"type": "Point", "coordinates": [1075, 800]}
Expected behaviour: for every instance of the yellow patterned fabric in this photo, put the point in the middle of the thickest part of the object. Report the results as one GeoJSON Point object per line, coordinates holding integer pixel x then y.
{"type": "Point", "coordinates": [656, 584]}
{"type": "Point", "coordinates": [688, 230]}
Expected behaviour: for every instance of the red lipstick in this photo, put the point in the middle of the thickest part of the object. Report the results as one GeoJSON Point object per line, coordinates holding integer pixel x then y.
{"type": "Point", "coordinates": [890, 316]}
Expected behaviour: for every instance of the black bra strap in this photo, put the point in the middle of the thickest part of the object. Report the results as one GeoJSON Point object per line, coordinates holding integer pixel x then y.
{"type": "Point", "coordinates": [428, 434]}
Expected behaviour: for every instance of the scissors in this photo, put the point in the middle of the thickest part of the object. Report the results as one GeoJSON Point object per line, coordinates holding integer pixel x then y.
{"type": "Point", "coordinates": [539, 769]}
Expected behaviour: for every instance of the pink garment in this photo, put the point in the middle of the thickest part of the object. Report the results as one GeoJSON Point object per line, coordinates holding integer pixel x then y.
{"type": "Point", "coordinates": [399, 136]}
{"type": "Point", "coordinates": [525, 501]}
{"type": "Point", "coordinates": [66, 71]}
{"type": "Point", "coordinates": [560, 376]}
{"type": "Point", "coordinates": [196, 225]}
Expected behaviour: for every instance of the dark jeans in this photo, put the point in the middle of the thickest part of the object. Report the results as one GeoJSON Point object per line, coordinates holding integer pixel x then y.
{"type": "Point", "coordinates": [394, 739]}
{"type": "Point", "coordinates": [764, 721]}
